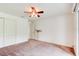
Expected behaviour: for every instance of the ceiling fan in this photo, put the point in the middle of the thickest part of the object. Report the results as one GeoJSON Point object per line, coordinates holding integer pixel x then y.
{"type": "Point", "coordinates": [34, 12]}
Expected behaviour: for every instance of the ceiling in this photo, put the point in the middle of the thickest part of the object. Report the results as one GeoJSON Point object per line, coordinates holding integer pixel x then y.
{"type": "Point", "coordinates": [50, 9]}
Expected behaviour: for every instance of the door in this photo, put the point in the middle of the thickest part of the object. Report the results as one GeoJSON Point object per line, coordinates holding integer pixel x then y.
{"type": "Point", "coordinates": [10, 31]}
{"type": "Point", "coordinates": [1, 31]}
{"type": "Point", "coordinates": [22, 30]}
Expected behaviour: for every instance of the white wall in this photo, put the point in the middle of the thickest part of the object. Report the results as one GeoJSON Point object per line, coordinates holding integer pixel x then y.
{"type": "Point", "coordinates": [13, 30]}
{"type": "Point", "coordinates": [58, 30]}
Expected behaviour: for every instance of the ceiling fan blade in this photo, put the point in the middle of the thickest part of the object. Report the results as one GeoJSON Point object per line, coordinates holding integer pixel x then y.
{"type": "Point", "coordinates": [40, 12]}
{"type": "Point", "coordinates": [27, 12]}
{"type": "Point", "coordinates": [38, 15]}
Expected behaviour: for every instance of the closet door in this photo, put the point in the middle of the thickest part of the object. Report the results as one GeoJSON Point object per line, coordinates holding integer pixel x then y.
{"type": "Point", "coordinates": [22, 30]}
{"type": "Point", "coordinates": [10, 31]}
{"type": "Point", "coordinates": [1, 31]}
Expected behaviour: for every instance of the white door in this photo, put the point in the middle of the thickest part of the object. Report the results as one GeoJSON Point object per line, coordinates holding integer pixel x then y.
{"type": "Point", "coordinates": [22, 30]}
{"type": "Point", "coordinates": [10, 31]}
{"type": "Point", "coordinates": [1, 32]}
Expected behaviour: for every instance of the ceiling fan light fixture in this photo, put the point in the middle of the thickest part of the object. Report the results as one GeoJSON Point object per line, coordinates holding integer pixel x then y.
{"type": "Point", "coordinates": [34, 12]}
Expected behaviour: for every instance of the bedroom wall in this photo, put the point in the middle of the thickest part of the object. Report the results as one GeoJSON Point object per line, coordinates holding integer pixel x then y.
{"type": "Point", "coordinates": [13, 30]}
{"type": "Point", "coordinates": [59, 30]}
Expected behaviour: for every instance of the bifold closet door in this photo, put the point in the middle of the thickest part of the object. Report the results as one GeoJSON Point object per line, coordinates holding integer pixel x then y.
{"type": "Point", "coordinates": [1, 32]}
{"type": "Point", "coordinates": [22, 30]}
{"type": "Point", "coordinates": [10, 31]}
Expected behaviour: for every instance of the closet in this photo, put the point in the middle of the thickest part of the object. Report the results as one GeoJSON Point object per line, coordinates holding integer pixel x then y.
{"type": "Point", "coordinates": [13, 30]}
